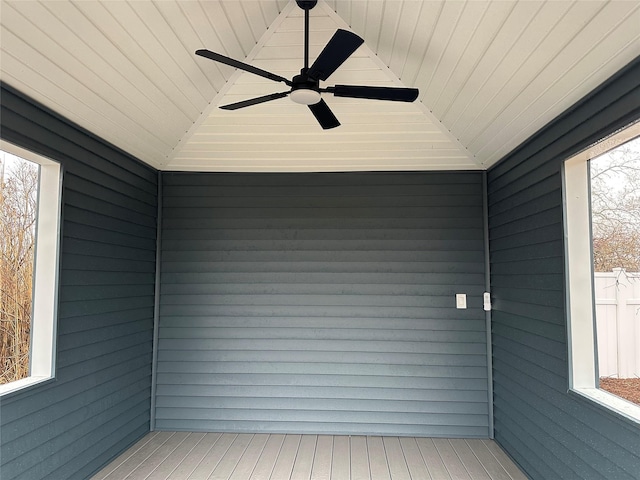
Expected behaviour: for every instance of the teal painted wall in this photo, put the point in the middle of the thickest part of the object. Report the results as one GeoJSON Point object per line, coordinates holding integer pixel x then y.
{"type": "Point", "coordinates": [553, 434]}
{"type": "Point", "coordinates": [323, 303]}
{"type": "Point", "coordinates": [99, 402]}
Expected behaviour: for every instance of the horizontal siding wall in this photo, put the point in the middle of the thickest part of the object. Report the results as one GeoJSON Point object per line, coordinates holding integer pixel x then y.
{"type": "Point", "coordinates": [551, 433]}
{"type": "Point", "coordinates": [99, 402]}
{"type": "Point", "coordinates": [322, 303]}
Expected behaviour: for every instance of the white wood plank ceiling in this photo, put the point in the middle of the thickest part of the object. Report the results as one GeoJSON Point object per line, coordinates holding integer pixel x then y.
{"type": "Point", "coordinates": [490, 73]}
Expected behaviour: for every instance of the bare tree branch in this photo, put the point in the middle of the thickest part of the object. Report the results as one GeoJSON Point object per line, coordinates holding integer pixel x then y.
{"type": "Point", "coordinates": [18, 206]}
{"type": "Point", "coordinates": [615, 207]}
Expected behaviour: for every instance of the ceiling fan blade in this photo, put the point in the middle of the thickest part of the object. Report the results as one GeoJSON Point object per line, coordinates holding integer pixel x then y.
{"type": "Point", "coordinates": [324, 115]}
{"type": "Point", "coordinates": [241, 65]}
{"type": "Point", "coordinates": [254, 101]}
{"type": "Point", "coordinates": [340, 47]}
{"type": "Point", "coordinates": [396, 94]}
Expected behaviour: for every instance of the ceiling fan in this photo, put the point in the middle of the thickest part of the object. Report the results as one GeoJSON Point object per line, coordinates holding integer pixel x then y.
{"type": "Point", "coordinates": [305, 88]}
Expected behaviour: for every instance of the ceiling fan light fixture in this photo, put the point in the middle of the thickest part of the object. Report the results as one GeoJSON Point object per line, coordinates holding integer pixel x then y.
{"type": "Point", "coordinates": [305, 96]}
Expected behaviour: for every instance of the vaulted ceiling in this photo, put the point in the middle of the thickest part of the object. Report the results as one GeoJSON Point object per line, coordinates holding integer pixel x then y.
{"type": "Point", "coordinates": [490, 74]}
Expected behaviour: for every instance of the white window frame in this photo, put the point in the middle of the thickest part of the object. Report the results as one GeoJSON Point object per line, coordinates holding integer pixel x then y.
{"type": "Point", "coordinates": [581, 326]}
{"type": "Point", "coordinates": [42, 352]}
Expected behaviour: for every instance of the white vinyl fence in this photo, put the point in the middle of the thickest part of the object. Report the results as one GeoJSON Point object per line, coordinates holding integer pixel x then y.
{"type": "Point", "coordinates": [618, 323]}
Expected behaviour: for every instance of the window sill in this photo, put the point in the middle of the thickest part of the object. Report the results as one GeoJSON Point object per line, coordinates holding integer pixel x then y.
{"type": "Point", "coordinates": [19, 385]}
{"type": "Point", "coordinates": [607, 401]}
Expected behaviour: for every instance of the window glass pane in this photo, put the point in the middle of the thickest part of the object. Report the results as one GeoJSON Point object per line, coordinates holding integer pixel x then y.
{"type": "Point", "coordinates": [600, 223]}
{"type": "Point", "coordinates": [18, 214]}
{"type": "Point", "coordinates": [615, 220]}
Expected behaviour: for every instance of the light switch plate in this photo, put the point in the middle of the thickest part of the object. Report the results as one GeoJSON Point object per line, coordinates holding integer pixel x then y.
{"type": "Point", "coordinates": [486, 301]}
{"type": "Point", "coordinates": [461, 300]}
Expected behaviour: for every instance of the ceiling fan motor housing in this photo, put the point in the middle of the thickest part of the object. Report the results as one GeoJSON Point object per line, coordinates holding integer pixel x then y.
{"type": "Point", "coordinates": [306, 4]}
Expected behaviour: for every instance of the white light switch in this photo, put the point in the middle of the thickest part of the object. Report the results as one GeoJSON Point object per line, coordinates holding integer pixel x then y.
{"type": "Point", "coordinates": [486, 301]}
{"type": "Point", "coordinates": [461, 300]}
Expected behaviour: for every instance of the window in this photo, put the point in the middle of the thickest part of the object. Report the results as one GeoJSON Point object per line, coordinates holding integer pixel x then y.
{"type": "Point", "coordinates": [584, 371]}
{"type": "Point", "coordinates": [30, 201]}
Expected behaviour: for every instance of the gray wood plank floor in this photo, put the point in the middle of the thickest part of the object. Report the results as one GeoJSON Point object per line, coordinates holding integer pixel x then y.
{"type": "Point", "coordinates": [227, 456]}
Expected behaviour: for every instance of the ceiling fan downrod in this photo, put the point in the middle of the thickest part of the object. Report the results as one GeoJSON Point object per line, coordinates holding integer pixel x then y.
{"type": "Point", "coordinates": [306, 5]}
